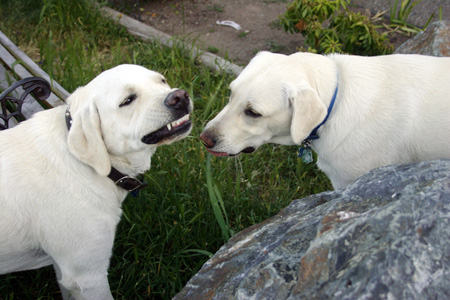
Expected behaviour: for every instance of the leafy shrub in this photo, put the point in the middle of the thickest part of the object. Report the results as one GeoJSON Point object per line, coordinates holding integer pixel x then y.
{"type": "Point", "coordinates": [329, 26]}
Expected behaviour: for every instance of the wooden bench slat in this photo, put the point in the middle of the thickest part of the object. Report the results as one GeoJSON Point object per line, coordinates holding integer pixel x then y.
{"type": "Point", "coordinates": [5, 79]}
{"type": "Point", "coordinates": [10, 62]}
{"type": "Point", "coordinates": [29, 106]}
{"type": "Point", "coordinates": [34, 69]}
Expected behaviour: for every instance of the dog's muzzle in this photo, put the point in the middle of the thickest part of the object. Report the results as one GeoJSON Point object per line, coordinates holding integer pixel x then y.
{"type": "Point", "coordinates": [209, 141]}
{"type": "Point", "coordinates": [180, 105]}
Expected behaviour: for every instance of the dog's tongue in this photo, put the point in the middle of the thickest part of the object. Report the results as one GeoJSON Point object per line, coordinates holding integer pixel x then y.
{"type": "Point", "coordinates": [246, 150]}
{"type": "Point", "coordinates": [217, 153]}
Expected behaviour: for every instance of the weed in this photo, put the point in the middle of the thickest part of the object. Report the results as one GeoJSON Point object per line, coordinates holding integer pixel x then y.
{"type": "Point", "coordinates": [276, 24]}
{"type": "Point", "coordinates": [328, 26]}
{"type": "Point", "coordinates": [398, 14]}
{"type": "Point", "coordinates": [213, 49]}
{"type": "Point", "coordinates": [243, 34]}
{"type": "Point", "coordinates": [274, 1]}
{"type": "Point", "coordinates": [218, 8]}
{"type": "Point", "coordinates": [275, 47]}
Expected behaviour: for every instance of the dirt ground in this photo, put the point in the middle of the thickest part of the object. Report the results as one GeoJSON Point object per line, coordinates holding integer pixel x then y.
{"type": "Point", "coordinates": [196, 20]}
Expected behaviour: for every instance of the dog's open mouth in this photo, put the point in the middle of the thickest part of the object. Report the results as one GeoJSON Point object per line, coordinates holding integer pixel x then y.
{"type": "Point", "coordinates": [174, 128]}
{"type": "Point", "coordinates": [246, 150]}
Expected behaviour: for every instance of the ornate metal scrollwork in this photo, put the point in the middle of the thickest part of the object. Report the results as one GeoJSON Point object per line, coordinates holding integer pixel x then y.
{"type": "Point", "coordinates": [11, 107]}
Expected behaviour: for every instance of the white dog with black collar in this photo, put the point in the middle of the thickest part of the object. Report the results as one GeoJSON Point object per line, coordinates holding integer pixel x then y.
{"type": "Point", "coordinates": [57, 204]}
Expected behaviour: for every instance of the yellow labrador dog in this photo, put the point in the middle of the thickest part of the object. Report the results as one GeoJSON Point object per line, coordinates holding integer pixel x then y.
{"type": "Point", "coordinates": [65, 172]}
{"type": "Point", "coordinates": [357, 113]}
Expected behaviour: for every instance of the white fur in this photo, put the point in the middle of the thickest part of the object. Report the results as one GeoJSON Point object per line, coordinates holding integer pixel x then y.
{"type": "Point", "coordinates": [389, 109]}
{"type": "Point", "coordinates": [56, 204]}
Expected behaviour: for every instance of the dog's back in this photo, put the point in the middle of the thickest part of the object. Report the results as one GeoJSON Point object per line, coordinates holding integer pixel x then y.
{"type": "Point", "coordinates": [387, 110]}
{"type": "Point", "coordinates": [390, 109]}
{"type": "Point", "coordinates": [19, 153]}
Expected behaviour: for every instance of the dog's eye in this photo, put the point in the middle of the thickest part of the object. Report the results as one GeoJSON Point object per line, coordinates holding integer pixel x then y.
{"type": "Point", "coordinates": [251, 113]}
{"type": "Point", "coordinates": [128, 100]}
{"type": "Point", "coordinates": [163, 80]}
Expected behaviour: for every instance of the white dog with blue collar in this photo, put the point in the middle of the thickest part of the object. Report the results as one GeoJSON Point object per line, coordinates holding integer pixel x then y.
{"type": "Point", "coordinates": [357, 113]}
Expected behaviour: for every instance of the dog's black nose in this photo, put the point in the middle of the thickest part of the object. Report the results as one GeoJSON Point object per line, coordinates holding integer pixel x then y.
{"type": "Point", "coordinates": [178, 100]}
{"type": "Point", "coordinates": [208, 140]}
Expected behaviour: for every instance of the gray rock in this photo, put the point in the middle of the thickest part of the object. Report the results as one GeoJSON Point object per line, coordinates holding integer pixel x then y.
{"type": "Point", "coordinates": [386, 236]}
{"type": "Point", "coordinates": [435, 41]}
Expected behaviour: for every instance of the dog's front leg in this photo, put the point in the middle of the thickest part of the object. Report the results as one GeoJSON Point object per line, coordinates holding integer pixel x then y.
{"type": "Point", "coordinates": [101, 292]}
{"type": "Point", "coordinates": [80, 293]}
{"type": "Point", "coordinates": [82, 267]}
{"type": "Point", "coordinates": [90, 286]}
{"type": "Point", "coordinates": [64, 292]}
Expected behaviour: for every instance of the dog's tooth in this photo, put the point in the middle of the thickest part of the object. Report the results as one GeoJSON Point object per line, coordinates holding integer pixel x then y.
{"type": "Point", "coordinates": [177, 122]}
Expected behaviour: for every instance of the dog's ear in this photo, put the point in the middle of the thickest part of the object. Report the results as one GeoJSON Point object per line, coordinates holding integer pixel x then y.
{"type": "Point", "coordinates": [85, 139]}
{"type": "Point", "coordinates": [308, 112]}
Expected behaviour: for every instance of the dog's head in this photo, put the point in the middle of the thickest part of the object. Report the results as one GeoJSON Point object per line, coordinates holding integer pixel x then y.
{"type": "Point", "coordinates": [123, 111]}
{"type": "Point", "coordinates": [275, 99]}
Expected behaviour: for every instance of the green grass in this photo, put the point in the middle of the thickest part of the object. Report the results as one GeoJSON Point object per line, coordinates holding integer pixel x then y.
{"type": "Point", "coordinates": [194, 202]}
{"type": "Point", "coordinates": [217, 8]}
{"type": "Point", "coordinates": [212, 49]}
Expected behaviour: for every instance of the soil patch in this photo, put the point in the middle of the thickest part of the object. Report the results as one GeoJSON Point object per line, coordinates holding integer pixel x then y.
{"type": "Point", "coordinates": [196, 21]}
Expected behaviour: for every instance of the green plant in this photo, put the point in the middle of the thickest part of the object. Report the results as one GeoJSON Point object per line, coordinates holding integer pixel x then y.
{"type": "Point", "coordinates": [275, 46]}
{"type": "Point", "coordinates": [242, 34]}
{"type": "Point", "coordinates": [177, 12]}
{"type": "Point", "coordinates": [276, 24]}
{"type": "Point", "coordinates": [218, 8]}
{"type": "Point", "coordinates": [274, 1]}
{"type": "Point", "coordinates": [398, 14]}
{"type": "Point", "coordinates": [213, 49]}
{"type": "Point", "coordinates": [329, 26]}
{"type": "Point", "coordinates": [217, 203]}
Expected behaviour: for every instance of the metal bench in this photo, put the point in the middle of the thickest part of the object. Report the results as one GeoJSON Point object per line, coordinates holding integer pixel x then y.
{"type": "Point", "coordinates": [22, 82]}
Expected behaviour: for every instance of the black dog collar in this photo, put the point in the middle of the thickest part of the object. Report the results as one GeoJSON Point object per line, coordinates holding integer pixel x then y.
{"type": "Point", "coordinates": [124, 181]}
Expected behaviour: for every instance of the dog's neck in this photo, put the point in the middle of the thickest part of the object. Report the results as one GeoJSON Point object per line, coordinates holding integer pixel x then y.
{"type": "Point", "coordinates": [305, 150]}
{"type": "Point", "coordinates": [121, 180]}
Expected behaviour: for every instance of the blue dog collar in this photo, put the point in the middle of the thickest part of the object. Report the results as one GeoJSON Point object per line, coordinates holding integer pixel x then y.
{"type": "Point", "coordinates": [305, 152]}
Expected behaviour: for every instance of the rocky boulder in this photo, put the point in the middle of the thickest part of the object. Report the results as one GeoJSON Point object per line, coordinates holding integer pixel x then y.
{"type": "Point", "coordinates": [435, 41]}
{"type": "Point", "coordinates": [386, 236]}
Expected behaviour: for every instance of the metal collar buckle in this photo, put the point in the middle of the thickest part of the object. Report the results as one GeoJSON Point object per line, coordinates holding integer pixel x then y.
{"type": "Point", "coordinates": [305, 152]}
{"type": "Point", "coordinates": [130, 184]}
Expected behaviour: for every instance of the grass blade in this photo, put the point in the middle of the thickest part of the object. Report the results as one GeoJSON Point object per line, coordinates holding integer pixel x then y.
{"type": "Point", "coordinates": [216, 201]}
